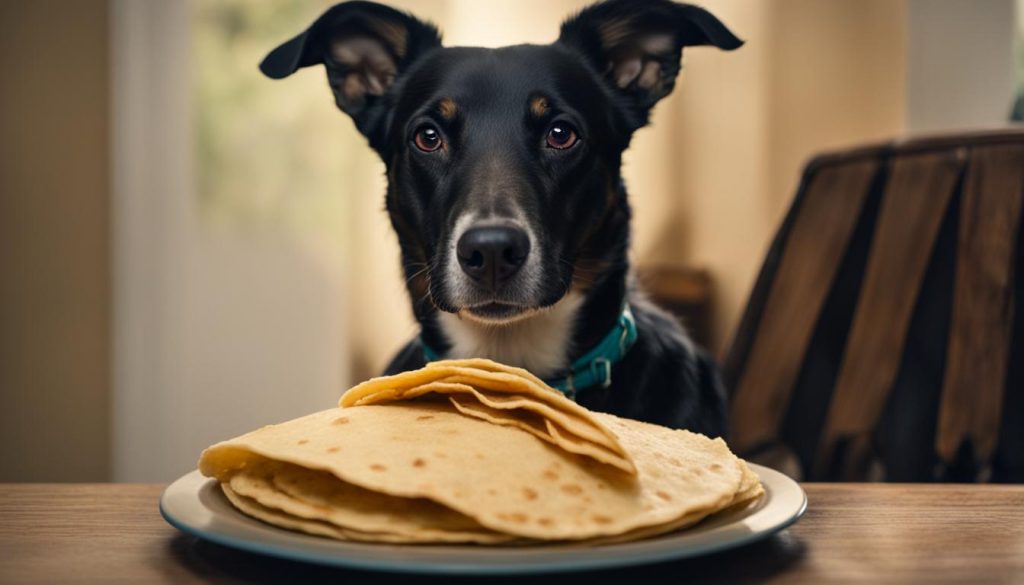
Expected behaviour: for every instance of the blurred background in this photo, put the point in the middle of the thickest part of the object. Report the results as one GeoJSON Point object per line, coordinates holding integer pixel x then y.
{"type": "Point", "coordinates": [189, 250]}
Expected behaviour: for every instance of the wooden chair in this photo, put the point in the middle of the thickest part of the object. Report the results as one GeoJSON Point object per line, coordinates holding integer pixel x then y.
{"type": "Point", "coordinates": [881, 339]}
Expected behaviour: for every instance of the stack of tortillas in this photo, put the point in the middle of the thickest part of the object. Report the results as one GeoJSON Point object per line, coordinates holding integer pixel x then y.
{"type": "Point", "coordinates": [475, 451]}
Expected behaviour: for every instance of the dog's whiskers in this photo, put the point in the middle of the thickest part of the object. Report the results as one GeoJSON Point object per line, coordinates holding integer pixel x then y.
{"type": "Point", "coordinates": [420, 272]}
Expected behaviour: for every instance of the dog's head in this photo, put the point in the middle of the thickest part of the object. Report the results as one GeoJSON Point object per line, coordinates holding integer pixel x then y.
{"type": "Point", "coordinates": [503, 164]}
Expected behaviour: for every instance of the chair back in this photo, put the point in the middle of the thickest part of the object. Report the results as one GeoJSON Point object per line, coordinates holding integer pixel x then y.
{"type": "Point", "coordinates": [883, 338]}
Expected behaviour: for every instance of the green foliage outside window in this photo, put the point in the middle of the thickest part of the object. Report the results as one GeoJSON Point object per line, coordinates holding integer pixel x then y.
{"type": "Point", "coordinates": [267, 152]}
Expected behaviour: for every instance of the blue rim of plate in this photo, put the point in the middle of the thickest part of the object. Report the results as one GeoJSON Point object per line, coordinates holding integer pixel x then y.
{"type": "Point", "coordinates": [195, 505]}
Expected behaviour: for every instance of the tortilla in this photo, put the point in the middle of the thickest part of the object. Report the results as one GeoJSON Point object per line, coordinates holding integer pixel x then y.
{"type": "Point", "coordinates": [541, 428]}
{"type": "Point", "coordinates": [500, 387]}
{"type": "Point", "coordinates": [491, 366]}
{"type": "Point", "coordinates": [314, 495]}
{"type": "Point", "coordinates": [472, 451]}
{"type": "Point", "coordinates": [504, 479]}
{"type": "Point", "coordinates": [315, 527]}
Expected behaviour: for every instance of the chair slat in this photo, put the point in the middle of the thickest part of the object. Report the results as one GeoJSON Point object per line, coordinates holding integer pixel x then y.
{"type": "Point", "coordinates": [917, 196]}
{"type": "Point", "coordinates": [819, 237]}
{"type": "Point", "coordinates": [979, 345]}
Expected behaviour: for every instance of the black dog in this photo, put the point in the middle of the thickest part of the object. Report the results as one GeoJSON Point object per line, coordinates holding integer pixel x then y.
{"type": "Point", "coordinates": [505, 190]}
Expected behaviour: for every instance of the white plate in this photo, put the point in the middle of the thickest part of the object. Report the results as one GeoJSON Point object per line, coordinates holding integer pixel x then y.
{"type": "Point", "coordinates": [196, 505]}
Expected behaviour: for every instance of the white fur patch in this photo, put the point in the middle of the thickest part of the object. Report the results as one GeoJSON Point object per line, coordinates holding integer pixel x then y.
{"type": "Point", "coordinates": [539, 343]}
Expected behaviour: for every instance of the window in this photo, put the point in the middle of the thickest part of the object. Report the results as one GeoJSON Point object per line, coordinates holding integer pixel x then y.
{"type": "Point", "coordinates": [265, 152]}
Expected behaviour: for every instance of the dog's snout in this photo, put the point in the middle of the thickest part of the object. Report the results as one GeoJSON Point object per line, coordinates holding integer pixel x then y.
{"type": "Point", "coordinates": [491, 255]}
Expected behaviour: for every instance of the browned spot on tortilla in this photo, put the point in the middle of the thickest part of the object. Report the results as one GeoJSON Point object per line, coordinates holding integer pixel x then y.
{"type": "Point", "coordinates": [333, 449]}
{"type": "Point", "coordinates": [550, 475]}
{"type": "Point", "coordinates": [512, 517]}
{"type": "Point", "coordinates": [517, 517]}
{"type": "Point", "coordinates": [675, 461]}
{"type": "Point", "coordinates": [539, 106]}
{"type": "Point", "coordinates": [440, 455]}
{"type": "Point", "coordinates": [340, 420]}
{"type": "Point", "coordinates": [601, 486]}
{"type": "Point", "coordinates": [418, 462]}
{"type": "Point", "coordinates": [492, 492]}
{"type": "Point", "coordinates": [378, 467]}
{"type": "Point", "coordinates": [572, 489]}
{"type": "Point", "coordinates": [303, 441]}
{"type": "Point", "coordinates": [545, 521]}
{"type": "Point", "coordinates": [715, 467]}
{"type": "Point", "coordinates": [529, 494]}
{"type": "Point", "coordinates": [425, 417]}
{"type": "Point", "coordinates": [697, 471]}
{"type": "Point", "coordinates": [663, 496]}
{"type": "Point", "coordinates": [479, 455]}
{"type": "Point", "coordinates": [601, 519]}
{"type": "Point", "coordinates": [447, 108]}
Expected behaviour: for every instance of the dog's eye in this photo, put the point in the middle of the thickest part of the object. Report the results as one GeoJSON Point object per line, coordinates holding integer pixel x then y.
{"type": "Point", "coordinates": [427, 138]}
{"type": "Point", "coordinates": [561, 136]}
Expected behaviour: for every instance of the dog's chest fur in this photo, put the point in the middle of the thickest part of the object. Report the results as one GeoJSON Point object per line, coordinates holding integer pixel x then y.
{"type": "Point", "coordinates": [541, 343]}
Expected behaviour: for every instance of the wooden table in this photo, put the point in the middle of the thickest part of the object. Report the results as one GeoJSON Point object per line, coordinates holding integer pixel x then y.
{"type": "Point", "coordinates": [851, 534]}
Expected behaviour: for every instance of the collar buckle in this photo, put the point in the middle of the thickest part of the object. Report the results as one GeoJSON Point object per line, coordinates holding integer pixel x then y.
{"type": "Point", "coordinates": [602, 375]}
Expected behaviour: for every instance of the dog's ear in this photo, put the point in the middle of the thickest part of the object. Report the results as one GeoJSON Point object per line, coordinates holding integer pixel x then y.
{"type": "Point", "coordinates": [364, 46]}
{"type": "Point", "coordinates": [637, 44]}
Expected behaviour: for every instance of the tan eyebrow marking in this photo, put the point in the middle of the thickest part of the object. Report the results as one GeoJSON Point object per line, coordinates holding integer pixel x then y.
{"type": "Point", "coordinates": [539, 106]}
{"type": "Point", "coordinates": [447, 108]}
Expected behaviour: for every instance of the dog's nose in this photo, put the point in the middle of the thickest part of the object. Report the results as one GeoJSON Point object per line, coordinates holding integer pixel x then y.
{"type": "Point", "coordinates": [491, 255]}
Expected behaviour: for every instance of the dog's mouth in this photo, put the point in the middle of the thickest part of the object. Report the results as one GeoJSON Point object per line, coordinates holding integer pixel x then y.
{"type": "Point", "coordinates": [495, 313]}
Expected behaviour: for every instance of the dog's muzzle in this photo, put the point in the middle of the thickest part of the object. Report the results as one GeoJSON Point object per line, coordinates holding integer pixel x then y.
{"type": "Point", "coordinates": [491, 255]}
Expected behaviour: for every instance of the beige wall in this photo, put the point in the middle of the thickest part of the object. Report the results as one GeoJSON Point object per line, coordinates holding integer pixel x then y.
{"type": "Point", "coordinates": [813, 76]}
{"type": "Point", "coordinates": [54, 236]}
